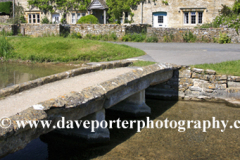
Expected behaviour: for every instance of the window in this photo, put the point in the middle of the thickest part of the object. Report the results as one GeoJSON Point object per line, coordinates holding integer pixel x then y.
{"type": "Point", "coordinates": [38, 18]}
{"type": "Point", "coordinates": [73, 18]}
{"type": "Point", "coordinates": [29, 18]}
{"type": "Point", "coordinates": [193, 17]}
{"type": "Point", "coordinates": [34, 18]}
{"type": "Point", "coordinates": [185, 17]}
{"type": "Point", "coordinates": [126, 15]}
{"type": "Point", "coordinates": [83, 14]}
{"type": "Point", "coordinates": [200, 16]}
{"type": "Point", "coordinates": [160, 19]}
{"type": "Point", "coordinates": [78, 16]}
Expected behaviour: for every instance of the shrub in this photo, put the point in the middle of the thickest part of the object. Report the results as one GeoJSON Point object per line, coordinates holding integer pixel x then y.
{"type": "Point", "coordinates": [224, 38]}
{"type": "Point", "coordinates": [76, 35]}
{"type": "Point", "coordinates": [89, 19]}
{"type": "Point", "coordinates": [5, 47]}
{"type": "Point", "coordinates": [45, 20]}
{"type": "Point", "coordinates": [5, 7]}
{"type": "Point", "coordinates": [189, 37]}
{"type": "Point", "coordinates": [152, 39]}
{"type": "Point", "coordinates": [22, 19]}
{"type": "Point", "coordinates": [168, 38]}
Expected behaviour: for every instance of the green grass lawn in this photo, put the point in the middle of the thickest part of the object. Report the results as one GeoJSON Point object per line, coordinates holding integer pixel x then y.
{"type": "Point", "coordinates": [142, 63]}
{"type": "Point", "coordinates": [59, 49]}
{"type": "Point", "coordinates": [228, 67]}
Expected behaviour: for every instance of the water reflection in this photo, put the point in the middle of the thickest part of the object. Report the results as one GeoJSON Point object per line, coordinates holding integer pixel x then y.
{"type": "Point", "coordinates": [149, 143]}
{"type": "Point", "coordinates": [15, 73]}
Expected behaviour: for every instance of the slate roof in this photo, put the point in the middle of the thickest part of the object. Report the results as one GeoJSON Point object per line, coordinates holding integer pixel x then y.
{"type": "Point", "coordinates": [98, 4]}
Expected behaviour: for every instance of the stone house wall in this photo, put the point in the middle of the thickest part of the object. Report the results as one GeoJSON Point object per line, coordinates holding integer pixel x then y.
{"type": "Point", "coordinates": [207, 35]}
{"type": "Point", "coordinates": [175, 11]}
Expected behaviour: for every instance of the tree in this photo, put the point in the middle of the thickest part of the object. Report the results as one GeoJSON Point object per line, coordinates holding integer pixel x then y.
{"type": "Point", "coordinates": [64, 5]}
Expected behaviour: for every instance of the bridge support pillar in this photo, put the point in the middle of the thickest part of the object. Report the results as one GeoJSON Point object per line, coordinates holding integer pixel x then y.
{"type": "Point", "coordinates": [100, 135]}
{"type": "Point", "coordinates": [133, 105]}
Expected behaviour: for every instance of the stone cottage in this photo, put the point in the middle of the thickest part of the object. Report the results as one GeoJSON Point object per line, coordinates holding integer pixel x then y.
{"type": "Point", "coordinates": [178, 13]}
{"type": "Point", "coordinates": [158, 13]}
{"type": "Point", "coordinates": [34, 15]}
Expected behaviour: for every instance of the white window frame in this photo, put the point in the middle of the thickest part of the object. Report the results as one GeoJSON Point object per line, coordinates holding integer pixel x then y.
{"type": "Point", "coordinates": [34, 18]}
{"type": "Point", "coordinates": [78, 16]}
{"type": "Point", "coordinates": [193, 18]}
{"type": "Point", "coordinates": [200, 17]}
{"type": "Point", "coordinates": [73, 18]}
{"type": "Point", "coordinates": [186, 17]}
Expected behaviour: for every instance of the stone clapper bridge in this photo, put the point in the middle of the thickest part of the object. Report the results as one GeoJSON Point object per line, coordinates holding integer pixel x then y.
{"type": "Point", "coordinates": [121, 89]}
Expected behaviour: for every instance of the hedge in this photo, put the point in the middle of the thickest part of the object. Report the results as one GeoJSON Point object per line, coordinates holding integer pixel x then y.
{"type": "Point", "coordinates": [5, 7]}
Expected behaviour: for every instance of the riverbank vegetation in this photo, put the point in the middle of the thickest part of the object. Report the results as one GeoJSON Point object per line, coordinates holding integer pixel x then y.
{"type": "Point", "coordinates": [228, 67]}
{"type": "Point", "coordinates": [59, 49]}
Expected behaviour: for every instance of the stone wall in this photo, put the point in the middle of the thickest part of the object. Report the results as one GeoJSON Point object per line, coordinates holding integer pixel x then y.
{"type": "Point", "coordinates": [197, 84]}
{"type": "Point", "coordinates": [3, 19]}
{"type": "Point", "coordinates": [205, 35]}
{"type": "Point", "coordinates": [100, 29]}
{"type": "Point", "coordinates": [37, 30]}
{"type": "Point", "coordinates": [7, 28]}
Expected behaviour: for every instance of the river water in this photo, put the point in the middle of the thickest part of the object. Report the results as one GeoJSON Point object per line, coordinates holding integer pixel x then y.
{"type": "Point", "coordinates": [15, 73]}
{"type": "Point", "coordinates": [149, 143]}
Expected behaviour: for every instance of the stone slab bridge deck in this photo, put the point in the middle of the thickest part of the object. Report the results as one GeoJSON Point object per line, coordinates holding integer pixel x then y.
{"type": "Point", "coordinates": [84, 96]}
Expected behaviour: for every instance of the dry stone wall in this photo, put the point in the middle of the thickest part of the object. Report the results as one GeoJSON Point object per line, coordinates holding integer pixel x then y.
{"type": "Point", "coordinates": [100, 29]}
{"type": "Point", "coordinates": [3, 19]}
{"type": "Point", "coordinates": [7, 28]}
{"type": "Point", "coordinates": [205, 35]}
{"type": "Point", "coordinates": [37, 30]}
{"type": "Point", "coordinates": [197, 84]}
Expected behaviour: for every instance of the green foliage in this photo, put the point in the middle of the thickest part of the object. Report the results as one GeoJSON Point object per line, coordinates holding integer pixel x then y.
{"type": "Point", "coordinates": [117, 7]}
{"type": "Point", "coordinates": [165, 2]}
{"type": "Point", "coordinates": [5, 47]}
{"type": "Point", "coordinates": [4, 33]}
{"type": "Point", "coordinates": [89, 19]}
{"type": "Point", "coordinates": [153, 38]}
{"type": "Point", "coordinates": [236, 7]}
{"type": "Point", "coordinates": [65, 5]}
{"type": "Point", "coordinates": [135, 37]}
{"type": "Point", "coordinates": [225, 11]}
{"type": "Point", "coordinates": [22, 19]}
{"type": "Point", "coordinates": [76, 35]}
{"type": "Point", "coordinates": [103, 37]}
{"type": "Point", "coordinates": [230, 17]}
{"type": "Point", "coordinates": [142, 63]}
{"type": "Point", "coordinates": [45, 20]}
{"type": "Point", "coordinates": [189, 37]}
{"type": "Point", "coordinates": [5, 7]}
{"type": "Point", "coordinates": [168, 37]}
{"type": "Point", "coordinates": [224, 38]}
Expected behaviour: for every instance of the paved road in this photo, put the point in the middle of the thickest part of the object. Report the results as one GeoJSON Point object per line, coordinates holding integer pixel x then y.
{"type": "Point", "coordinates": [188, 53]}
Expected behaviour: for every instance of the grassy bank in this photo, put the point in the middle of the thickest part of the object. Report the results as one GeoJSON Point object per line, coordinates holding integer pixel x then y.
{"type": "Point", "coordinates": [58, 49]}
{"type": "Point", "coordinates": [228, 67]}
{"type": "Point", "coordinates": [142, 63]}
